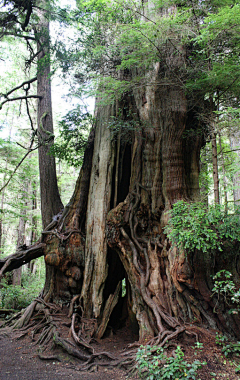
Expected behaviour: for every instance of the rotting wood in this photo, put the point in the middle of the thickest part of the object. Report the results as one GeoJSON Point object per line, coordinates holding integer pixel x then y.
{"type": "Point", "coordinates": [110, 304]}
{"type": "Point", "coordinates": [21, 257]}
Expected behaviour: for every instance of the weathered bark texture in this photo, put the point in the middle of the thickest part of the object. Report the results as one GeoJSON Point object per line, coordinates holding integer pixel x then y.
{"type": "Point", "coordinates": [223, 173]}
{"type": "Point", "coordinates": [51, 203]}
{"type": "Point", "coordinates": [50, 199]}
{"type": "Point", "coordinates": [215, 165]}
{"type": "Point", "coordinates": [113, 226]}
{"type": "Point", "coordinates": [235, 146]}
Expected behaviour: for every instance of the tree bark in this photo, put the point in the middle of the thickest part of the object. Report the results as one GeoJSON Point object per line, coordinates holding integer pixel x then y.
{"type": "Point", "coordinates": [21, 237]}
{"type": "Point", "coordinates": [113, 227]}
{"type": "Point", "coordinates": [235, 145]}
{"type": "Point", "coordinates": [215, 165]}
{"type": "Point", "coordinates": [224, 174]}
{"type": "Point", "coordinates": [51, 203]}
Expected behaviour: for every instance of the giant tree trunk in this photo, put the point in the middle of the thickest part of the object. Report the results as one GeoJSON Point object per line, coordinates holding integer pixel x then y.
{"type": "Point", "coordinates": [113, 227]}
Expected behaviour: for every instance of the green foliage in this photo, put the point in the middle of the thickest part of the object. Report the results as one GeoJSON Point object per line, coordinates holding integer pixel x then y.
{"type": "Point", "coordinates": [71, 143]}
{"type": "Point", "coordinates": [154, 364]}
{"type": "Point", "coordinates": [231, 349]}
{"type": "Point", "coordinates": [124, 289]}
{"type": "Point", "coordinates": [216, 50]}
{"type": "Point", "coordinates": [198, 347]}
{"type": "Point", "coordinates": [18, 297]}
{"type": "Point", "coordinates": [124, 36]}
{"type": "Point", "coordinates": [13, 297]}
{"type": "Point", "coordinates": [194, 226]}
{"type": "Point", "coordinates": [124, 127]}
{"type": "Point", "coordinates": [224, 287]}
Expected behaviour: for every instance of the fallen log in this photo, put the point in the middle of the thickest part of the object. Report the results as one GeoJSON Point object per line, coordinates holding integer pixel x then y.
{"type": "Point", "coordinates": [23, 256]}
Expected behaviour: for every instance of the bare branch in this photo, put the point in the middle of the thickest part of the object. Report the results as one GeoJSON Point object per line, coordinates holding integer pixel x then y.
{"type": "Point", "coordinates": [18, 35]}
{"type": "Point", "coordinates": [23, 256]}
{"type": "Point", "coordinates": [29, 116]}
{"type": "Point", "coordinates": [24, 147]}
{"type": "Point", "coordinates": [20, 98]}
{"type": "Point", "coordinates": [21, 85]}
{"type": "Point", "coordinates": [18, 165]}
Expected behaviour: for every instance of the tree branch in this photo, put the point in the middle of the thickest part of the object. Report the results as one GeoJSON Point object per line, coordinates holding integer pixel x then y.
{"type": "Point", "coordinates": [17, 35]}
{"type": "Point", "coordinates": [21, 85]}
{"type": "Point", "coordinates": [30, 119]}
{"type": "Point", "coordinates": [20, 98]}
{"type": "Point", "coordinates": [21, 257]}
{"type": "Point", "coordinates": [18, 165]}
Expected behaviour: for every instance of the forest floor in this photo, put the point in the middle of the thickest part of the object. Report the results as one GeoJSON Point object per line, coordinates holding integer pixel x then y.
{"type": "Point", "coordinates": [20, 360]}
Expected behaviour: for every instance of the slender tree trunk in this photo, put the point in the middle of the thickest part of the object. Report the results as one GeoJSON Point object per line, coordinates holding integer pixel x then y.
{"type": "Point", "coordinates": [224, 174]}
{"type": "Point", "coordinates": [235, 145]}
{"type": "Point", "coordinates": [50, 199]}
{"type": "Point", "coordinates": [33, 232]}
{"type": "Point", "coordinates": [1, 222]}
{"type": "Point", "coordinates": [33, 237]}
{"type": "Point", "coordinates": [51, 203]}
{"type": "Point", "coordinates": [2, 200]}
{"type": "Point", "coordinates": [21, 238]}
{"type": "Point", "coordinates": [215, 165]}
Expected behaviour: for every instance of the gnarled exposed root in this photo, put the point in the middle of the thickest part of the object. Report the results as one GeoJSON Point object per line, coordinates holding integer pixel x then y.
{"type": "Point", "coordinates": [42, 323]}
{"type": "Point", "coordinates": [77, 340]}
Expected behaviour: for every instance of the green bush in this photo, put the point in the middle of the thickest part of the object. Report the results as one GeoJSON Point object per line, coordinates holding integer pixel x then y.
{"type": "Point", "coordinates": [154, 364]}
{"type": "Point", "coordinates": [18, 297]}
{"type": "Point", "coordinates": [194, 226]}
{"type": "Point", "coordinates": [13, 297]}
{"type": "Point", "coordinates": [224, 287]}
{"type": "Point", "coordinates": [229, 349]}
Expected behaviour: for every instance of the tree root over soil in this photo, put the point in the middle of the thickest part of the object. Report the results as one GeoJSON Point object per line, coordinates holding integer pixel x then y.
{"type": "Point", "coordinates": [50, 326]}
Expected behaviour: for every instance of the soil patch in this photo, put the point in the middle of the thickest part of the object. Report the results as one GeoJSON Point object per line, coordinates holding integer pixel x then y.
{"type": "Point", "coordinates": [20, 360]}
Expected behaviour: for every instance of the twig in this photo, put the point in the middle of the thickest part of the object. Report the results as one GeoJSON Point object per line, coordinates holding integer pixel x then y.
{"type": "Point", "coordinates": [21, 85]}
{"type": "Point", "coordinates": [20, 98]}
{"type": "Point", "coordinates": [17, 167]}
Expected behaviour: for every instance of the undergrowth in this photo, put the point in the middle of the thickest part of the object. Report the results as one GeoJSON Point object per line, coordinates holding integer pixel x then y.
{"type": "Point", "coordinates": [154, 364]}
{"type": "Point", "coordinates": [18, 297]}
{"type": "Point", "coordinates": [195, 226]}
{"type": "Point", "coordinates": [230, 350]}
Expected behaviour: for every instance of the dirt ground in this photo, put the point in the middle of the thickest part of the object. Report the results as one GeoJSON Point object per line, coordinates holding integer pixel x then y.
{"type": "Point", "coordinates": [20, 361]}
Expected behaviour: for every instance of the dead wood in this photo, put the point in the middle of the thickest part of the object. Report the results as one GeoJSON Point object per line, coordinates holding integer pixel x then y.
{"type": "Point", "coordinates": [110, 304]}
{"type": "Point", "coordinates": [21, 257]}
{"type": "Point", "coordinates": [25, 318]}
{"type": "Point", "coordinates": [69, 348]}
{"type": "Point", "coordinates": [74, 299]}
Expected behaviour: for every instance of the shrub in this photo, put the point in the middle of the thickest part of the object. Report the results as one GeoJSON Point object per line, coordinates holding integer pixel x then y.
{"type": "Point", "coordinates": [224, 287]}
{"type": "Point", "coordinates": [194, 226]}
{"type": "Point", "coordinates": [154, 364]}
{"type": "Point", "coordinates": [18, 297]}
